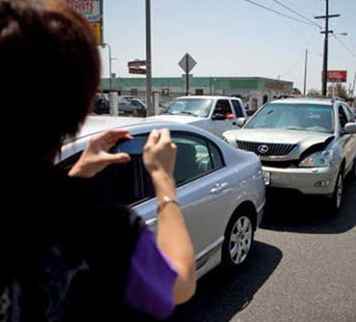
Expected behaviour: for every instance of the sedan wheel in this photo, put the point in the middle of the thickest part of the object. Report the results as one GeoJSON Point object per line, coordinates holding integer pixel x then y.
{"type": "Point", "coordinates": [238, 241]}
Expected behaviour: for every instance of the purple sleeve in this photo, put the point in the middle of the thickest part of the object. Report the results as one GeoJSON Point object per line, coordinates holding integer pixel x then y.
{"type": "Point", "coordinates": [151, 279]}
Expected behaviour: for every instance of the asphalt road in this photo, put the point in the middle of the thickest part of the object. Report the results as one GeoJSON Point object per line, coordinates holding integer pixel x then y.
{"type": "Point", "coordinates": [302, 268]}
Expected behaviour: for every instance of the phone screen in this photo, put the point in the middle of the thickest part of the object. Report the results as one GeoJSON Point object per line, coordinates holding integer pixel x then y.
{"type": "Point", "coordinates": [134, 146]}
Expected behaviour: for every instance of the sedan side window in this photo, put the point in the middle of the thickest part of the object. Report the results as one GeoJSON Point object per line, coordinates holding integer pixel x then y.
{"type": "Point", "coordinates": [124, 184]}
{"type": "Point", "coordinates": [195, 157]}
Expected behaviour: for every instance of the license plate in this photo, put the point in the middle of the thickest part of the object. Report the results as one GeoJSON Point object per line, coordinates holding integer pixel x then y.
{"type": "Point", "coordinates": [267, 178]}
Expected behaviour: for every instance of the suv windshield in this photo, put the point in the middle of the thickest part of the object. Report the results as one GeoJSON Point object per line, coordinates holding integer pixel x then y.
{"type": "Point", "coordinates": [298, 117]}
{"type": "Point", "coordinates": [194, 107]}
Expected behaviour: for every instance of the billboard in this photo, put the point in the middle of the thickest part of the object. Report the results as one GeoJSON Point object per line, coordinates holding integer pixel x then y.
{"type": "Point", "coordinates": [93, 11]}
{"type": "Point", "coordinates": [337, 76]}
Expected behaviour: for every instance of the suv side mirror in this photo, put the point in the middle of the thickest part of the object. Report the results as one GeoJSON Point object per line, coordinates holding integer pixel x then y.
{"type": "Point", "coordinates": [218, 117]}
{"type": "Point", "coordinates": [241, 121]}
{"type": "Point", "coordinates": [350, 128]}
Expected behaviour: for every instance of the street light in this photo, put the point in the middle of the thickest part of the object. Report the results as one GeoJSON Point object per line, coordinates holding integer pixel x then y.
{"type": "Point", "coordinates": [110, 63]}
{"type": "Point", "coordinates": [150, 108]}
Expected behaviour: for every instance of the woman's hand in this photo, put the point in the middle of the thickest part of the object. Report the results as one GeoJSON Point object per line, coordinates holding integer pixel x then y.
{"type": "Point", "coordinates": [160, 153]}
{"type": "Point", "coordinates": [96, 156]}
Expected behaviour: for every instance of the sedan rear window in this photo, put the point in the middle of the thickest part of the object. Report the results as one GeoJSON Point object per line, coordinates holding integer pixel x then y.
{"type": "Point", "coordinates": [297, 117]}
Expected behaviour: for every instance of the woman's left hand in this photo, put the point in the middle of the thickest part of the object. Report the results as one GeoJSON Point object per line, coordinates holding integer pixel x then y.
{"type": "Point", "coordinates": [96, 156]}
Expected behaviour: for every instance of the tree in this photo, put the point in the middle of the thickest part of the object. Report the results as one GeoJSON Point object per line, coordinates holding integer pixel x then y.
{"type": "Point", "coordinates": [296, 91]}
{"type": "Point", "coordinates": [338, 90]}
{"type": "Point", "coordinates": [314, 92]}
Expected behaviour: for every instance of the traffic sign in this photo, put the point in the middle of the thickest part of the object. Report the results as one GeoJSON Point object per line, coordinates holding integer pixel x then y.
{"type": "Point", "coordinates": [137, 63]}
{"type": "Point", "coordinates": [187, 63]}
{"type": "Point", "coordinates": [137, 70]}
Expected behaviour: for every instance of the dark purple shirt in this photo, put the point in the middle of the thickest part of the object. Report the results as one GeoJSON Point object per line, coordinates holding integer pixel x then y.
{"type": "Point", "coordinates": [151, 279]}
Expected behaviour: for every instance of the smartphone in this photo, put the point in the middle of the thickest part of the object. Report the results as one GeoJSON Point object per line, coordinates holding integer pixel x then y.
{"type": "Point", "coordinates": [134, 146]}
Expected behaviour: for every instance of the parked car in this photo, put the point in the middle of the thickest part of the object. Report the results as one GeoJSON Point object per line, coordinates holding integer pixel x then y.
{"type": "Point", "coordinates": [101, 105]}
{"type": "Point", "coordinates": [132, 107]}
{"type": "Point", "coordinates": [221, 189]}
{"type": "Point", "coordinates": [308, 145]}
{"type": "Point", "coordinates": [215, 114]}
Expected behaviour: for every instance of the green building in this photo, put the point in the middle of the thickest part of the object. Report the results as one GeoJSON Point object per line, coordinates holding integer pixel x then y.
{"type": "Point", "coordinates": [254, 90]}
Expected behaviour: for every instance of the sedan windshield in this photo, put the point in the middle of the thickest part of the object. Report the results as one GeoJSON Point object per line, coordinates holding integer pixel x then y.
{"type": "Point", "coordinates": [297, 117]}
{"type": "Point", "coordinates": [193, 107]}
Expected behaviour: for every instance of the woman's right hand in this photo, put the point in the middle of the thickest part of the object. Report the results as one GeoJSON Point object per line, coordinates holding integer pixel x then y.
{"type": "Point", "coordinates": [160, 153]}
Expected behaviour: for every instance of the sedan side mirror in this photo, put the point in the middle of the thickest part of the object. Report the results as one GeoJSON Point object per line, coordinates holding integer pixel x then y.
{"type": "Point", "coordinates": [241, 121]}
{"type": "Point", "coordinates": [218, 117]}
{"type": "Point", "coordinates": [350, 128]}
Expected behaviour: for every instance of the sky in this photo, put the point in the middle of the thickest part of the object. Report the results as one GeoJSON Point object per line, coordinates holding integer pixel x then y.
{"type": "Point", "coordinates": [230, 38]}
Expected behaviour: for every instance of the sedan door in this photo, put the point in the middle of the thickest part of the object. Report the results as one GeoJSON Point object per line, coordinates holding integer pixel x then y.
{"type": "Point", "coordinates": [203, 191]}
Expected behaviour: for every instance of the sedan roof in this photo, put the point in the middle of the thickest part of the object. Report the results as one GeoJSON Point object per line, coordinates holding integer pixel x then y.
{"type": "Point", "coordinates": [97, 124]}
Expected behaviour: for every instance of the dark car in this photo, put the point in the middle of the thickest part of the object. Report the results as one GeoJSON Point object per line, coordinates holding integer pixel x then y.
{"type": "Point", "coordinates": [101, 105]}
{"type": "Point", "coordinates": [132, 107]}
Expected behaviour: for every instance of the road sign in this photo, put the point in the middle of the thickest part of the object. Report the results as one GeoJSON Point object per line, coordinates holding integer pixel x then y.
{"type": "Point", "coordinates": [337, 76]}
{"type": "Point", "coordinates": [137, 71]}
{"type": "Point", "coordinates": [92, 10]}
{"type": "Point", "coordinates": [187, 63]}
{"type": "Point", "coordinates": [137, 63]}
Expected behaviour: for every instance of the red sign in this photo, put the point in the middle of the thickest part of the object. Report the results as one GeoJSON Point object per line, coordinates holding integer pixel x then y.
{"type": "Point", "coordinates": [136, 70]}
{"type": "Point", "coordinates": [337, 76]}
{"type": "Point", "coordinates": [136, 63]}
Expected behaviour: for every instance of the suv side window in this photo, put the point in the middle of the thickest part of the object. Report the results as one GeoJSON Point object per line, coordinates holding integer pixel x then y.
{"type": "Point", "coordinates": [350, 116]}
{"type": "Point", "coordinates": [195, 157]}
{"type": "Point", "coordinates": [237, 108]}
{"type": "Point", "coordinates": [342, 117]}
{"type": "Point", "coordinates": [223, 107]}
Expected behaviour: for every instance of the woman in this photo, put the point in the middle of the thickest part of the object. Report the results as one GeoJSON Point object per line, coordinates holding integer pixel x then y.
{"type": "Point", "coordinates": [64, 255]}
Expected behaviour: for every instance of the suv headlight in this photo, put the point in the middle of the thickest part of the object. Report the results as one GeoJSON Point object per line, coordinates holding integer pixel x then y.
{"type": "Point", "coordinates": [321, 159]}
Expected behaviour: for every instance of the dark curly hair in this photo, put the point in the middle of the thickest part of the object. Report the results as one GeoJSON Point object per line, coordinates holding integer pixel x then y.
{"type": "Point", "coordinates": [49, 72]}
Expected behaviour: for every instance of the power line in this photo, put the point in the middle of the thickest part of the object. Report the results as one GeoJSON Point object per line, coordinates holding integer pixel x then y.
{"type": "Point", "coordinates": [297, 13]}
{"type": "Point", "coordinates": [279, 13]}
{"type": "Point", "coordinates": [344, 45]}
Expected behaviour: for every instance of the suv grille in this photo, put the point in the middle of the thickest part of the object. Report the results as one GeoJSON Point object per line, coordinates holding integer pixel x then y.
{"type": "Point", "coordinates": [271, 149]}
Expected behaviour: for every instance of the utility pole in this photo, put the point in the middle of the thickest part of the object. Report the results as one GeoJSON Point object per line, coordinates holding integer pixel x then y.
{"type": "Point", "coordinates": [150, 110]}
{"type": "Point", "coordinates": [327, 32]}
{"type": "Point", "coordinates": [352, 91]}
{"type": "Point", "coordinates": [306, 72]}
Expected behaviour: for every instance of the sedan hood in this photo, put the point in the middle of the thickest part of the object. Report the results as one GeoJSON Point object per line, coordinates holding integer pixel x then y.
{"type": "Point", "coordinates": [184, 119]}
{"type": "Point", "coordinates": [304, 139]}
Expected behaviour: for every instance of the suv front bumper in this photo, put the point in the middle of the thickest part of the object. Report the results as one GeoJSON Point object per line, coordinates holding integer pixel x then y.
{"type": "Point", "coordinates": [311, 181]}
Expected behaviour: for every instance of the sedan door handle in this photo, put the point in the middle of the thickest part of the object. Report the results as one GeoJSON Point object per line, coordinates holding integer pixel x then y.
{"type": "Point", "coordinates": [219, 188]}
{"type": "Point", "coordinates": [216, 189]}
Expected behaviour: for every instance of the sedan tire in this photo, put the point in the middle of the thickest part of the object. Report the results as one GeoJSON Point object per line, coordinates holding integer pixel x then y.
{"type": "Point", "coordinates": [238, 241]}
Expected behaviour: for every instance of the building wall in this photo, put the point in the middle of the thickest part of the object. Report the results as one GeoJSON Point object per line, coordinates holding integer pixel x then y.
{"type": "Point", "coordinates": [254, 90]}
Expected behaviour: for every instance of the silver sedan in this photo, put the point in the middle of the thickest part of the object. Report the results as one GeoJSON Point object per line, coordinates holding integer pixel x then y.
{"type": "Point", "coordinates": [221, 190]}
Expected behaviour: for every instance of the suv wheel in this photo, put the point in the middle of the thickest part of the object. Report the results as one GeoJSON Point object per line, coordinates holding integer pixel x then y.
{"type": "Point", "coordinates": [337, 197]}
{"type": "Point", "coordinates": [238, 241]}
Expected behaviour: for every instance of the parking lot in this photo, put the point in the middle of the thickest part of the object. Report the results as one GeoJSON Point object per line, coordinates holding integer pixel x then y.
{"type": "Point", "coordinates": [302, 268]}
